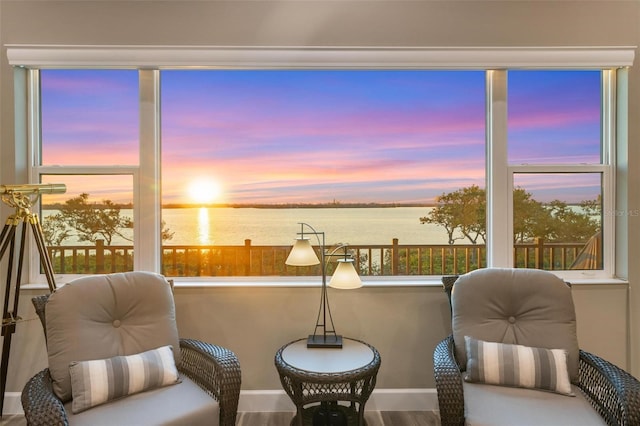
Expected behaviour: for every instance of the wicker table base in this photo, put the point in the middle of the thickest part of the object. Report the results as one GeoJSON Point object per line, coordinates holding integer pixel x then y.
{"type": "Point", "coordinates": [307, 415]}
{"type": "Point", "coordinates": [310, 376]}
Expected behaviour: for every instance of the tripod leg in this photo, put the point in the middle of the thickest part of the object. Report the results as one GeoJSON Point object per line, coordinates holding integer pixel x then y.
{"type": "Point", "coordinates": [7, 227]}
{"type": "Point", "coordinates": [6, 348]}
{"type": "Point", "coordinates": [6, 237]}
{"type": "Point", "coordinates": [8, 323]}
{"type": "Point", "coordinates": [45, 260]}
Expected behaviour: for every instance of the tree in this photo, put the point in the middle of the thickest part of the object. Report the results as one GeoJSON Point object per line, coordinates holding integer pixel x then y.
{"type": "Point", "coordinates": [530, 218]}
{"type": "Point", "coordinates": [571, 225]}
{"type": "Point", "coordinates": [55, 230]}
{"type": "Point", "coordinates": [92, 221]}
{"type": "Point", "coordinates": [89, 222]}
{"type": "Point", "coordinates": [593, 208]}
{"type": "Point", "coordinates": [463, 210]}
{"type": "Point", "coordinates": [473, 213]}
{"type": "Point", "coordinates": [165, 232]}
{"type": "Point", "coordinates": [445, 216]}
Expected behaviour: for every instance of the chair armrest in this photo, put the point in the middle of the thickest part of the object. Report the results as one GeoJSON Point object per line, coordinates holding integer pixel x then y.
{"type": "Point", "coordinates": [216, 370]}
{"type": "Point", "coordinates": [41, 406]}
{"type": "Point", "coordinates": [448, 383]}
{"type": "Point", "coordinates": [613, 392]}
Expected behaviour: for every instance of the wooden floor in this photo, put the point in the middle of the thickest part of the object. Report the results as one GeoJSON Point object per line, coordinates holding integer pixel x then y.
{"type": "Point", "coordinates": [13, 421]}
{"type": "Point", "coordinates": [373, 418]}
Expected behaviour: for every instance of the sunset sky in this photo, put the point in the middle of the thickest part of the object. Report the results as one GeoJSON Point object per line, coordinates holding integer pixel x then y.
{"type": "Point", "coordinates": [319, 136]}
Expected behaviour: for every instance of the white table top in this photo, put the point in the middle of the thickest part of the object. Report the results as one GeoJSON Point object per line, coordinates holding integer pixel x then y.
{"type": "Point", "coordinates": [352, 356]}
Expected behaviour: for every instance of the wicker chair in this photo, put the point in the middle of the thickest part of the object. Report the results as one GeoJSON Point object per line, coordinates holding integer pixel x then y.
{"type": "Point", "coordinates": [613, 393]}
{"type": "Point", "coordinates": [214, 370]}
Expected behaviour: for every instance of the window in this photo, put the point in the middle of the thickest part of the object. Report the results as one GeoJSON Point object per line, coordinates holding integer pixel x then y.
{"type": "Point", "coordinates": [559, 159]}
{"type": "Point", "coordinates": [557, 220]}
{"type": "Point", "coordinates": [248, 145]}
{"type": "Point", "coordinates": [360, 155]}
{"type": "Point", "coordinates": [89, 117]}
{"type": "Point", "coordinates": [89, 142]}
{"type": "Point", "coordinates": [88, 230]}
{"type": "Point", "coordinates": [555, 117]}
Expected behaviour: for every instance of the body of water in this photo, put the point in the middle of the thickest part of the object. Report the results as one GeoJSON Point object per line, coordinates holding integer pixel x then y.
{"type": "Point", "coordinates": [264, 226]}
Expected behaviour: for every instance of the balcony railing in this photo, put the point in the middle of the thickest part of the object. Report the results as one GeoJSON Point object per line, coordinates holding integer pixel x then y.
{"type": "Point", "coordinates": [251, 260]}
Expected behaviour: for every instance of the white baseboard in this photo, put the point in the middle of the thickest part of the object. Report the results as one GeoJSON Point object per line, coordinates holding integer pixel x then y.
{"type": "Point", "coordinates": [277, 400]}
{"type": "Point", "coordinates": [12, 404]}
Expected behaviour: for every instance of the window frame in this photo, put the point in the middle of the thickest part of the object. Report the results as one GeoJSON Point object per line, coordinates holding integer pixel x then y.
{"type": "Point", "coordinates": [494, 61]}
{"type": "Point", "coordinates": [134, 172]}
{"type": "Point", "coordinates": [608, 239]}
{"type": "Point", "coordinates": [499, 171]}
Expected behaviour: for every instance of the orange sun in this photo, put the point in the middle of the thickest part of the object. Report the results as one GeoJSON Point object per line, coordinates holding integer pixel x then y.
{"type": "Point", "coordinates": [204, 190]}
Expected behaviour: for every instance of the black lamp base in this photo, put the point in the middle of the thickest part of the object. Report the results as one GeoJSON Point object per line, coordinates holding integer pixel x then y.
{"type": "Point", "coordinates": [319, 341]}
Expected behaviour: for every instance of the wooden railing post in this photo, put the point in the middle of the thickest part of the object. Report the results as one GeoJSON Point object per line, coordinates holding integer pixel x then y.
{"type": "Point", "coordinates": [100, 256]}
{"type": "Point", "coordinates": [395, 256]}
{"type": "Point", "coordinates": [539, 253]}
{"type": "Point", "coordinates": [247, 257]}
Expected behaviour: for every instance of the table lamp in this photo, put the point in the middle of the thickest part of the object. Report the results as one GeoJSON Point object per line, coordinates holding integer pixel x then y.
{"type": "Point", "coordinates": [344, 277]}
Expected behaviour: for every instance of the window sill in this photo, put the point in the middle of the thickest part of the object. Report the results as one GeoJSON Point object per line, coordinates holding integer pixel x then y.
{"type": "Point", "coordinates": [302, 282]}
{"type": "Point", "coordinates": [305, 282]}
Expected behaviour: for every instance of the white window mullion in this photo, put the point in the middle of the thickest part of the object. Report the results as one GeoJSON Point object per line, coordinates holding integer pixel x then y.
{"type": "Point", "coordinates": [32, 138]}
{"type": "Point", "coordinates": [147, 211]}
{"type": "Point", "coordinates": [609, 123]}
{"type": "Point", "coordinates": [617, 94]}
{"type": "Point", "coordinates": [499, 190]}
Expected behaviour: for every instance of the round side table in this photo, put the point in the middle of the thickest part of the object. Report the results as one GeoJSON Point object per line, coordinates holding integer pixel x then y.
{"type": "Point", "coordinates": [321, 375]}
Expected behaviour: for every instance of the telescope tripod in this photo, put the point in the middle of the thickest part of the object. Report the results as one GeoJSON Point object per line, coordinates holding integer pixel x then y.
{"type": "Point", "coordinates": [15, 262]}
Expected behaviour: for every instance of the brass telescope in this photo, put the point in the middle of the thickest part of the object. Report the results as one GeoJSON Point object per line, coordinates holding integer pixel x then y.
{"type": "Point", "coordinates": [34, 188]}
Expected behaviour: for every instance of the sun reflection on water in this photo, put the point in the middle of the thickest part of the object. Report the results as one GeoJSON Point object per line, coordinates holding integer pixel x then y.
{"type": "Point", "coordinates": [203, 226]}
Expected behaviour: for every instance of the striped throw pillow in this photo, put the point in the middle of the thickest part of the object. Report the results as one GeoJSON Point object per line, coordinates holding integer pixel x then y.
{"type": "Point", "coordinates": [98, 381]}
{"type": "Point", "coordinates": [517, 365]}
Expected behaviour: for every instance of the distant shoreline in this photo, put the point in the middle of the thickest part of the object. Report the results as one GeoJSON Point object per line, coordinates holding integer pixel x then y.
{"type": "Point", "coordinates": [333, 205]}
{"type": "Point", "coordinates": [299, 205]}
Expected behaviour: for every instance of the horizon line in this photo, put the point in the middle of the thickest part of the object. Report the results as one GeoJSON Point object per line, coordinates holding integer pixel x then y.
{"type": "Point", "coordinates": [332, 204]}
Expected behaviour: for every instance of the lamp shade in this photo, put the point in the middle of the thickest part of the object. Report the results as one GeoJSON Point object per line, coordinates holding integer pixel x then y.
{"type": "Point", "coordinates": [345, 276]}
{"type": "Point", "coordinates": [302, 254]}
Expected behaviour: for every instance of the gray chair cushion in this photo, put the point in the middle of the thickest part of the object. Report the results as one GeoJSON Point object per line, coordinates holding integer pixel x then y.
{"type": "Point", "coordinates": [181, 404]}
{"type": "Point", "coordinates": [102, 316]}
{"type": "Point", "coordinates": [488, 405]}
{"type": "Point", "coordinates": [527, 307]}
